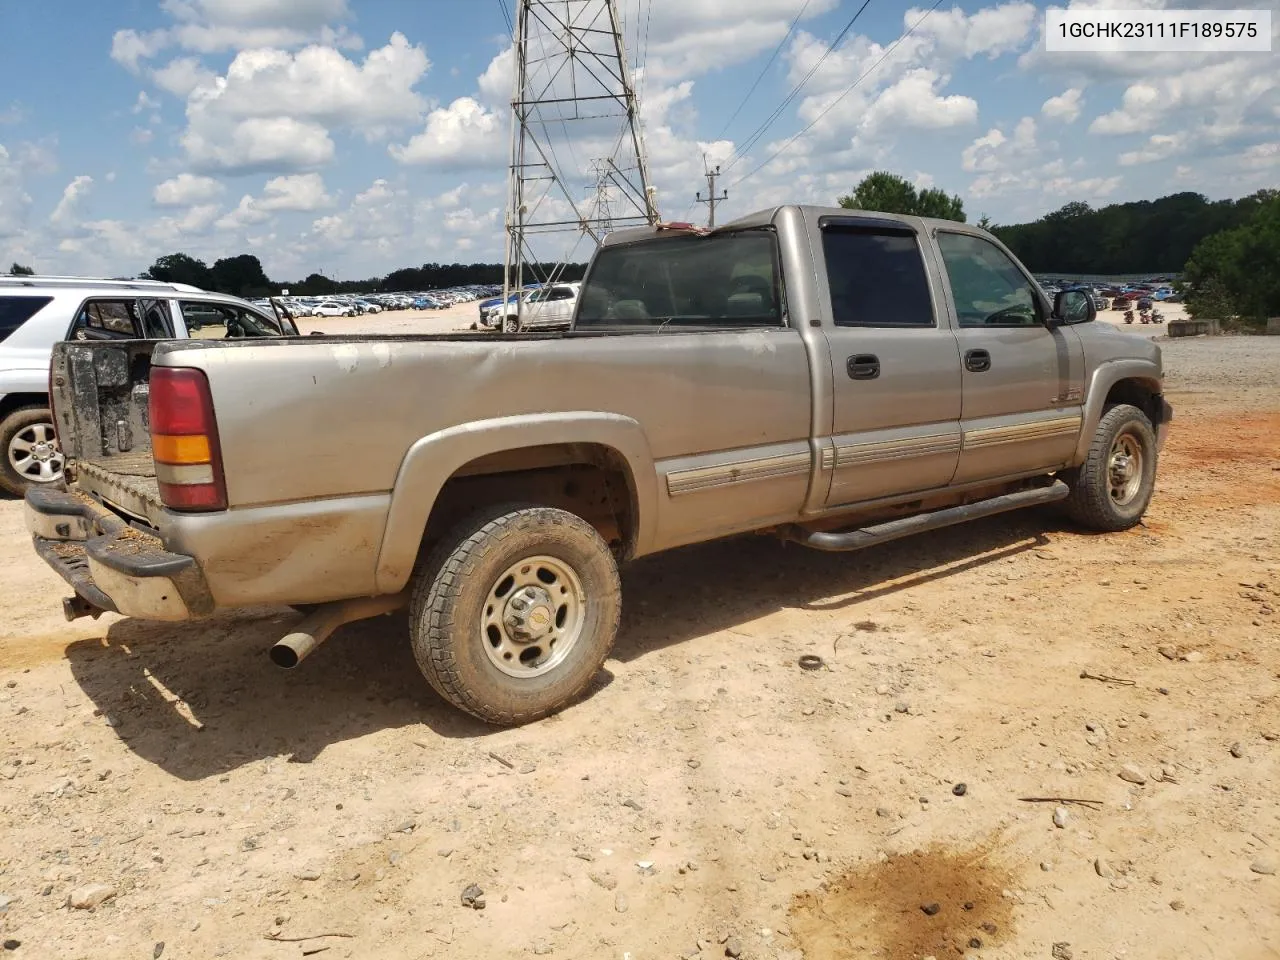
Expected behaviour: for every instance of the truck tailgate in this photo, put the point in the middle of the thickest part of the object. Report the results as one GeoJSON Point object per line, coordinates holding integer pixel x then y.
{"type": "Point", "coordinates": [100, 394]}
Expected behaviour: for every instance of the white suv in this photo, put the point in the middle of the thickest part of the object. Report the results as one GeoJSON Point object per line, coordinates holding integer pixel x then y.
{"type": "Point", "coordinates": [37, 312]}
{"type": "Point", "coordinates": [546, 308]}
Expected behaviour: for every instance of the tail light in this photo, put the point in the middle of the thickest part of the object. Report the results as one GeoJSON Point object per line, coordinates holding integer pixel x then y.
{"type": "Point", "coordinates": [184, 440]}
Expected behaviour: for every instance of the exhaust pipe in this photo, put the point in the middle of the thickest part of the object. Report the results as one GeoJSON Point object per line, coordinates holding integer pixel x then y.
{"type": "Point", "coordinates": [317, 626]}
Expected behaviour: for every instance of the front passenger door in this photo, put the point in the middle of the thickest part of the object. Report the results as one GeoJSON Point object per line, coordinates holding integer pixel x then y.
{"type": "Point", "coordinates": [1023, 382]}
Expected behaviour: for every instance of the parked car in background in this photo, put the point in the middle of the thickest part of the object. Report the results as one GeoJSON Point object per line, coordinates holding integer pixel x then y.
{"type": "Point", "coordinates": [37, 312]}
{"type": "Point", "coordinates": [331, 308]}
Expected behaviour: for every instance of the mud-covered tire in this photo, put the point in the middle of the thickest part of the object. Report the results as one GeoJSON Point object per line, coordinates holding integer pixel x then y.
{"type": "Point", "coordinates": [22, 425]}
{"type": "Point", "coordinates": [457, 599]}
{"type": "Point", "coordinates": [1109, 491]}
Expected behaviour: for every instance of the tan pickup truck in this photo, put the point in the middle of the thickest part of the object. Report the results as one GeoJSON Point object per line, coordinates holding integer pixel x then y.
{"type": "Point", "coordinates": [835, 378]}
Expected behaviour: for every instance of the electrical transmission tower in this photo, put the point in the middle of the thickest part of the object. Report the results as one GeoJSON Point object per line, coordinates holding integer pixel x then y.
{"type": "Point", "coordinates": [573, 92]}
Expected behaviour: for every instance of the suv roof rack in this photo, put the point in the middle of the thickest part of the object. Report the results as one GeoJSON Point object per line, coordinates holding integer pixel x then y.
{"type": "Point", "coordinates": [126, 284]}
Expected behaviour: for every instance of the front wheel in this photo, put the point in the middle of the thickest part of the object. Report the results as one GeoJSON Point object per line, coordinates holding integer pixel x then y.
{"type": "Point", "coordinates": [1111, 490]}
{"type": "Point", "coordinates": [515, 612]}
{"type": "Point", "coordinates": [30, 451]}
{"type": "Point", "coordinates": [510, 325]}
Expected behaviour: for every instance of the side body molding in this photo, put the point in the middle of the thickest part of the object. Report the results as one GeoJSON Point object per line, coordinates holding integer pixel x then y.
{"type": "Point", "coordinates": [1105, 376]}
{"type": "Point", "coordinates": [432, 460]}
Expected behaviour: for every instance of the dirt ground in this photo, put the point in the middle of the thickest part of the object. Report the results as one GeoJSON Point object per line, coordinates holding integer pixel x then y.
{"type": "Point", "coordinates": [710, 797]}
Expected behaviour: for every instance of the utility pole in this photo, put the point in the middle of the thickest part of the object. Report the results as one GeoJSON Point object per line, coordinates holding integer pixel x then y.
{"type": "Point", "coordinates": [711, 199]}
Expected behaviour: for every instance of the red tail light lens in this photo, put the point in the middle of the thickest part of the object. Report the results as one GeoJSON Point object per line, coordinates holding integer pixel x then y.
{"type": "Point", "coordinates": [184, 440]}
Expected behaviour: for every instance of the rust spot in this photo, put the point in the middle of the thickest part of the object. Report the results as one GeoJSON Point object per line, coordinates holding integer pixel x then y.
{"type": "Point", "coordinates": [886, 909]}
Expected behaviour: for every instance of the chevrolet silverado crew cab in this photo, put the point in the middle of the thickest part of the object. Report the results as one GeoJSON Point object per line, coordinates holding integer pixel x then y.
{"type": "Point", "coordinates": [37, 312]}
{"type": "Point", "coordinates": [835, 378]}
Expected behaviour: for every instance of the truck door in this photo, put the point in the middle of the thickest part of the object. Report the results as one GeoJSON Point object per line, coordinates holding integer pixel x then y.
{"type": "Point", "coordinates": [895, 367]}
{"type": "Point", "coordinates": [1023, 381]}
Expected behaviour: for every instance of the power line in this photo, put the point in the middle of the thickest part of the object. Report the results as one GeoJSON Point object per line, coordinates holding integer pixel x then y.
{"type": "Point", "coordinates": [847, 90]}
{"type": "Point", "coordinates": [765, 69]}
{"type": "Point", "coordinates": [760, 131]}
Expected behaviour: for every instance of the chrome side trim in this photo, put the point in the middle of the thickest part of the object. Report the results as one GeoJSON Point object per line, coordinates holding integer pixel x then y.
{"type": "Point", "coordinates": [860, 454]}
{"type": "Point", "coordinates": [1021, 432]}
{"type": "Point", "coordinates": [740, 471]}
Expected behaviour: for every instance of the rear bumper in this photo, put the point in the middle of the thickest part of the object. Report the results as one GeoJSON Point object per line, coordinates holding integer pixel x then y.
{"type": "Point", "coordinates": [110, 564]}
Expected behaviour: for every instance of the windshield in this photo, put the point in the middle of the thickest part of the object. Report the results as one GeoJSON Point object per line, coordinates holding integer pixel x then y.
{"type": "Point", "coordinates": [725, 280]}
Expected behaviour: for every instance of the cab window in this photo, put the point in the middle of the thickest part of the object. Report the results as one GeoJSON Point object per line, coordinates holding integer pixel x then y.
{"type": "Point", "coordinates": [218, 321]}
{"type": "Point", "coordinates": [987, 287]}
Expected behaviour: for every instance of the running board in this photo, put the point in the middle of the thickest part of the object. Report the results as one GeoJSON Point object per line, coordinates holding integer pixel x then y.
{"type": "Point", "coordinates": [839, 542]}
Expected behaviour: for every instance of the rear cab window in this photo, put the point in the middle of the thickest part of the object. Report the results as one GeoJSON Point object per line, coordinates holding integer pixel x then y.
{"type": "Point", "coordinates": [720, 281]}
{"type": "Point", "coordinates": [15, 311]}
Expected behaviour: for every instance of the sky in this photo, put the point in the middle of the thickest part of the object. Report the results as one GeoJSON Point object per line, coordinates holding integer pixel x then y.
{"type": "Point", "coordinates": [354, 137]}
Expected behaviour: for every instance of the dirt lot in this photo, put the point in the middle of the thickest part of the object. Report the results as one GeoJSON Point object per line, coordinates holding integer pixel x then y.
{"type": "Point", "coordinates": [708, 790]}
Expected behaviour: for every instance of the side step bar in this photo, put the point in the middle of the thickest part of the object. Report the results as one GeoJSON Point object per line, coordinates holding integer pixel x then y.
{"type": "Point", "coordinates": [838, 542]}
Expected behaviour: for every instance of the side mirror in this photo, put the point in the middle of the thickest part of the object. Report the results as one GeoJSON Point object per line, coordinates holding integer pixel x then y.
{"type": "Point", "coordinates": [1073, 306]}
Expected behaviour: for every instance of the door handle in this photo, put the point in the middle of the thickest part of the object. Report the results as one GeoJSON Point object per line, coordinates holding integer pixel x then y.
{"type": "Point", "coordinates": [864, 366]}
{"type": "Point", "coordinates": [977, 361]}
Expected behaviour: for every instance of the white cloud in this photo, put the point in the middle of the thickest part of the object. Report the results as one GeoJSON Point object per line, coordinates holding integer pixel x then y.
{"type": "Point", "coordinates": [991, 31]}
{"type": "Point", "coordinates": [141, 136]}
{"type": "Point", "coordinates": [304, 191]}
{"type": "Point", "coordinates": [1158, 147]}
{"type": "Point", "coordinates": [1262, 156]}
{"type": "Point", "coordinates": [247, 212]}
{"type": "Point", "coordinates": [144, 102]}
{"type": "Point", "coordinates": [273, 110]}
{"type": "Point", "coordinates": [182, 75]}
{"type": "Point", "coordinates": [913, 101]}
{"type": "Point", "coordinates": [260, 144]}
{"type": "Point", "coordinates": [460, 135]}
{"type": "Point", "coordinates": [14, 199]}
{"type": "Point", "coordinates": [128, 47]}
{"type": "Point", "coordinates": [73, 196]}
{"type": "Point", "coordinates": [1066, 106]}
{"type": "Point", "coordinates": [186, 189]}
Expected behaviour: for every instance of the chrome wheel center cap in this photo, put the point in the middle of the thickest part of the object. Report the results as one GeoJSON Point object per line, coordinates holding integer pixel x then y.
{"type": "Point", "coordinates": [529, 614]}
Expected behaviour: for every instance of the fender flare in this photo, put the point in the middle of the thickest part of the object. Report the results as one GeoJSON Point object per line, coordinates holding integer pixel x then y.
{"type": "Point", "coordinates": [1106, 376]}
{"type": "Point", "coordinates": [432, 460]}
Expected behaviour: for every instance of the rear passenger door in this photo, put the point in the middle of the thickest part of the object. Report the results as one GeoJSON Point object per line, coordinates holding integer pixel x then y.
{"type": "Point", "coordinates": [108, 319]}
{"type": "Point", "coordinates": [896, 369]}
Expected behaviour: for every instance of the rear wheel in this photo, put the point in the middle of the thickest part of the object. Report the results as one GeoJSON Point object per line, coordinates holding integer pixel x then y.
{"type": "Point", "coordinates": [29, 446]}
{"type": "Point", "coordinates": [1112, 488]}
{"type": "Point", "coordinates": [515, 612]}
{"type": "Point", "coordinates": [510, 325]}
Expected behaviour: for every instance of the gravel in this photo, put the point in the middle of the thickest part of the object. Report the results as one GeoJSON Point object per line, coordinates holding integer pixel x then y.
{"type": "Point", "coordinates": [1247, 364]}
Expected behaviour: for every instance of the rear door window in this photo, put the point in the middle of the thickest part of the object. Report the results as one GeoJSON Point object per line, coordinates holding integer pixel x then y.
{"type": "Point", "coordinates": [115, 319]}
{"type": "Point", "coordinates": [877, 278]}
{"type": "Point", "coordinates": [15, 311]}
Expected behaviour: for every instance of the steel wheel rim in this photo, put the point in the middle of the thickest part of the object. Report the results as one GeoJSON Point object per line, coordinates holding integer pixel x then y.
{"type": "Point", "coordinates": [1124, 469]}
{"type": "Point", "coordinates": [533, 617]}
{"type": "Point", "coordinates": [34, 453]}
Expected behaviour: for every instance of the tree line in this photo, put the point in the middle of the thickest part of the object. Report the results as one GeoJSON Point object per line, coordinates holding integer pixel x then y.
{"type": "Point", "coordinates": [243, 276]}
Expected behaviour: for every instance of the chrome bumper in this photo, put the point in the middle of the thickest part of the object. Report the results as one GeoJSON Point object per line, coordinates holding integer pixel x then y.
{"type": "Point", "coordinates": [110, 564]}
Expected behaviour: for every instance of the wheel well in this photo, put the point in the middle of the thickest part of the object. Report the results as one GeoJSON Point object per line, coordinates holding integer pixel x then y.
{"type": "Point", "coordinates": [16, 401]}
{"type": "Point", "coordinates": [1141, 394]}
{"type": "Point", "coordinates": [590, 480]}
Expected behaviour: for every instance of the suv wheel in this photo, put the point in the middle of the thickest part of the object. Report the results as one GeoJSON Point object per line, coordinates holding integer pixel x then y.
{"type": "Point", "coordinates": [515, 612]}
{"type": "Point", "coordinates": [1111, 490]}
{"type": "Point", "coordinates": [30, 450]}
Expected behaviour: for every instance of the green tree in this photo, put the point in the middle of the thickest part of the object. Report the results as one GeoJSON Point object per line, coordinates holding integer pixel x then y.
{"type": "Point", "coordinates": [985, 222]}
{"type": "Point", "coordinates": [180, 268]}
{"type": "Point", "coordinates": [242, 276]}
{"type": "Point", "coordinates": [1234, 271]}
{"type": "Point", "coordinates": [889, 193]}
{"type": "Point", "coordinates": [18, 270]}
